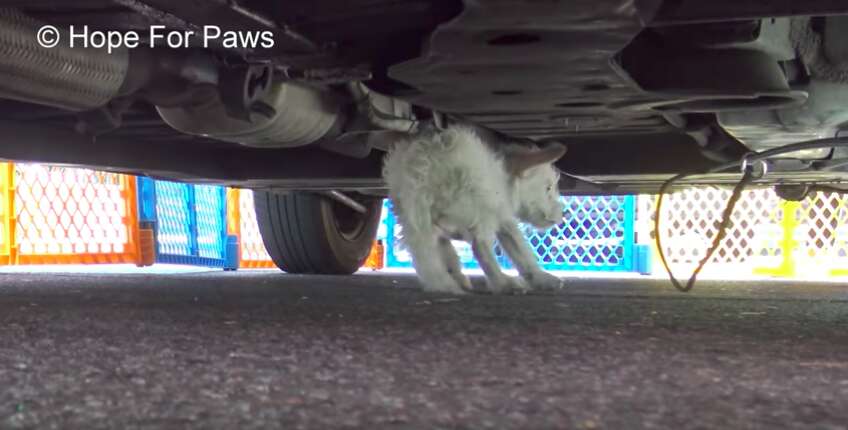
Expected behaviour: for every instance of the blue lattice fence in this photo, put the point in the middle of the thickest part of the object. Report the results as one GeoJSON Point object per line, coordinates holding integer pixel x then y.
{"type": "Point", "coordinates": [597, 234]}
{"type": "Point", "coordinates": [190, 223]}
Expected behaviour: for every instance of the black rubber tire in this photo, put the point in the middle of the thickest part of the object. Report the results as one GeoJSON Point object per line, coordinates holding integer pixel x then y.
{"type": "Point", "coordinates": [309, 233]}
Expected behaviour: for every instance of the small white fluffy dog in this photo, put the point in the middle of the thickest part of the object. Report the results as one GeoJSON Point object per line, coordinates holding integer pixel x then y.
{"type": "Point", "coordinates": [450, 184]}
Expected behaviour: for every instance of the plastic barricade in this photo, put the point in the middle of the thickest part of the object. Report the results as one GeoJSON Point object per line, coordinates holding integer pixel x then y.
{"type": "Point", "coordinates": [597, 234]}
{"type": "Point", "coordinates": [241, 219]}
{"type": "Point", "coordinates": [59, 215]}
{"type": "Point", "coordinates": [768, 236]}
{"type": "Point", "coordinates": [190, 223]}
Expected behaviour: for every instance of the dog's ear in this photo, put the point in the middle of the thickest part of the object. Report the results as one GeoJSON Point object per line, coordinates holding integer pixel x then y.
{"type": "Point", "coordinates": [519, 158]}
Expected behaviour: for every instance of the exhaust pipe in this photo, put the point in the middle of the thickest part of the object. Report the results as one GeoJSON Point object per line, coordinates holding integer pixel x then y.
{"type": "Point", "coordinates": [190, 91]}
{"type": "Point", "coordinates": [73, 79]}
{"type": "Point", "coordinates": [81, 79]}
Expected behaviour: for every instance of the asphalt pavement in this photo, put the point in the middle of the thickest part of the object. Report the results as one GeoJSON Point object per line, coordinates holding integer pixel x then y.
{"type": "Point", "coordinates": [243, 350]}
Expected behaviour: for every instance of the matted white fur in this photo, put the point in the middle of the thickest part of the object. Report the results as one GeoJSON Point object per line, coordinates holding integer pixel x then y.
{"type": "Point", "coordinates": [450, 184]}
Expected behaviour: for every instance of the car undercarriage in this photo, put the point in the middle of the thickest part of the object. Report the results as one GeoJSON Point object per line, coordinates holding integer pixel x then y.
{"type": "Point", "coordinates": [638, 90]}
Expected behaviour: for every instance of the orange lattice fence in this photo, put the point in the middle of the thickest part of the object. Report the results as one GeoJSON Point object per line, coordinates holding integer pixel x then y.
{"type": "Point", "coordinates": [57, 215]}
{"type": "Point", "coordinates": [7, 200]}
{"type": "Point", "coordinates": [241, 221]}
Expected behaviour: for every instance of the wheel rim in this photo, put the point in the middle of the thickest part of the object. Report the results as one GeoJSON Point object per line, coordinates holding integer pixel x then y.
{"type": "Point", "coordinates": [349, 223]}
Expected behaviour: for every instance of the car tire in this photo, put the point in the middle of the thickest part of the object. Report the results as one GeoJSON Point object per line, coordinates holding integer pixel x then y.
{"type": "Point", "coordinates": [309, 233]}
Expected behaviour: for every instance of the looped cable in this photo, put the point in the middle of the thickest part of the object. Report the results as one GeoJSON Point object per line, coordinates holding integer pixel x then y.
{"type": "Point", "coordinates": [747, 178]}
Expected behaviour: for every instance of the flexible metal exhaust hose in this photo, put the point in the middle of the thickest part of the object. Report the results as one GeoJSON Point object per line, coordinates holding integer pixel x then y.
{"type": "Point", "coordinates": [73, 79]}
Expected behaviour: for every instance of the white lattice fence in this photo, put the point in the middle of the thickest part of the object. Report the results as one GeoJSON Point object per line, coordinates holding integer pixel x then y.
{"type": "Point", "coordinates": [820, 219]}
{"type": "Point", "coordinates": [813, 240]}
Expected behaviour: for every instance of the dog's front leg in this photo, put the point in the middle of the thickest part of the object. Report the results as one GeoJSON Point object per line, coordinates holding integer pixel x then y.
{"type": "Point", "coordinates": [519, 251]}
{"type": "Point", "coordinates": [498, 281]}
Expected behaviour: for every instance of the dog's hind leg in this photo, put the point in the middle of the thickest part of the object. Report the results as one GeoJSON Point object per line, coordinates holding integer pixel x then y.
{"type": "Point", "coordinates": [427, 259]}
{"type": "Point", "coordinates": [452, 263]}
{"type": "Point", "coordinates": [421, 238]}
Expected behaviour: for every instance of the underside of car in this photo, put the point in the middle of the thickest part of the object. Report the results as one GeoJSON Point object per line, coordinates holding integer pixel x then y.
{"type": "Point", "coordinates": [639, 90]}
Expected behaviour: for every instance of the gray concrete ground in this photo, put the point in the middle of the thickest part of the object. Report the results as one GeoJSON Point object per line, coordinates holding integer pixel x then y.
{"type": "Point", "coordinates": [265, 350]}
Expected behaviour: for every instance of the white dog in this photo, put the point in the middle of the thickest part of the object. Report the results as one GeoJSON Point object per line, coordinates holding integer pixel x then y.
{"type": "Point", "coordinates": [450, 184]}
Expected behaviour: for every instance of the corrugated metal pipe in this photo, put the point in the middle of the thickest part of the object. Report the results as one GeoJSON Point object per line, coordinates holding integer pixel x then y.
{"type": "Point", "coordinates": [75, 79]}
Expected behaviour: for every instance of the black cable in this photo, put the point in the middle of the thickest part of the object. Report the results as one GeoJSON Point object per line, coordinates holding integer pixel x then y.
{"type": "Point", "coordinates": [747, 178]}
{"type": "Point", "coordinates": [726, 219]}
{"type": "Point", "coordinates": [832, 142]}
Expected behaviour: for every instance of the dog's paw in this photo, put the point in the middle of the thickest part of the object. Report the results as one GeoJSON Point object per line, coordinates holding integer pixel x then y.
{"type": "Point", "coordinates": [456, 291]}
{"type": "Point", "coordinates": [544, 281]}
{"type": "Point", "coordinates": [464, 282]}
{"type": "Point", "coordinates": [451, 289]}
{"type": "Point", "coordinates": [508, 285]}
{"type": "Point", "coordinates": [443, 285]}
